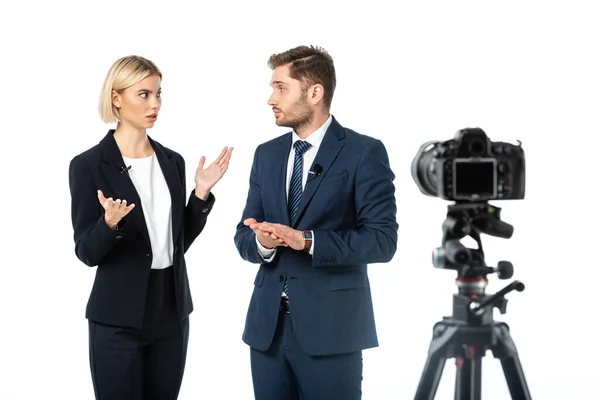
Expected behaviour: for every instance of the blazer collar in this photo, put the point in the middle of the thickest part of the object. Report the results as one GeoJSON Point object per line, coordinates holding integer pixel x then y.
{"type": "Point", "coordinates": [123, 186]}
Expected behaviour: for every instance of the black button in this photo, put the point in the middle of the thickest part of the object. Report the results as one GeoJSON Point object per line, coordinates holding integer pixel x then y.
{"type": "Point", "coordinates": [280, 278]}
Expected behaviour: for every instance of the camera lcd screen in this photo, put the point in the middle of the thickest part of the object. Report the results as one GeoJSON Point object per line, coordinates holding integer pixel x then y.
{"type": "Point", "coordinates": [474, 178]}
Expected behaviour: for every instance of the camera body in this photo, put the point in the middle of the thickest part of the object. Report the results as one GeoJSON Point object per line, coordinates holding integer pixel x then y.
{"type": "Point", "coordinates": [470, 167]}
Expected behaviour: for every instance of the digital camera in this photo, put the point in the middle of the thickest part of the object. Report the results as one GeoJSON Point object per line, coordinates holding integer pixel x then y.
{"type": "Point", "coordinates": [470, 167]}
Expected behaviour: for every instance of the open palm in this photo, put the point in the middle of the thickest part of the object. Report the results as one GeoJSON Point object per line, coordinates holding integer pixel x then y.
{"type": "Point", "coordinates": [206, 178]}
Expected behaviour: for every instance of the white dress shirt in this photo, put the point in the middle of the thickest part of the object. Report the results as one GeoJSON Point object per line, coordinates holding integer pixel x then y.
{"type": "Point", "coordinates": [315, 140]}
{"type": "Point", "coordinates": [150, 183]}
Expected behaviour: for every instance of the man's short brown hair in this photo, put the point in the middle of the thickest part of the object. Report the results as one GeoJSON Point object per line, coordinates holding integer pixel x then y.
{"type": "Point", "coordinates": [310, 65]}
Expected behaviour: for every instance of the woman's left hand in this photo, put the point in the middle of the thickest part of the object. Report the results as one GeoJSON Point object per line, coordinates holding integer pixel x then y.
{"type": "Point", "coordinates": [206, 178]}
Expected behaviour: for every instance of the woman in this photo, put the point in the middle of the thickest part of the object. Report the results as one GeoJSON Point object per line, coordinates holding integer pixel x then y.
{"type": "Point", "coordinates": [130, 219]}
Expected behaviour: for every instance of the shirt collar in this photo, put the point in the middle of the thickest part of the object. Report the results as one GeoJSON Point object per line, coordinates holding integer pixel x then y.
{"type": "Point", "coordinates": [316, 137]}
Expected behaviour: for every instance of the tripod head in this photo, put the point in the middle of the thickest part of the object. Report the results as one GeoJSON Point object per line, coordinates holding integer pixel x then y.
{"type": "Point", "coordinates": [473, 219]}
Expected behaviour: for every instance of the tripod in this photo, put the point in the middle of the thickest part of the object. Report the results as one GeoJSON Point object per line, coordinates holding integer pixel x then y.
{"type": "Point", "coordinates": [471, 330]}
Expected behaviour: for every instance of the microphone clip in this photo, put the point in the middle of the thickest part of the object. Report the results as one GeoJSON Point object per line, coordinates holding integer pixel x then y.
{"type": "Point", "coordinates": [316, 171]}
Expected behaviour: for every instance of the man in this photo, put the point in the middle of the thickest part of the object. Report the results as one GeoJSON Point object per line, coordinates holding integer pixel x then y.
{"type": "Point", "coordinates": [320, 207]}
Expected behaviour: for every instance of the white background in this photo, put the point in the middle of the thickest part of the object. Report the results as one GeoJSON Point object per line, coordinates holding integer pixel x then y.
{"type": "Point", "coordinates": [406, 74]}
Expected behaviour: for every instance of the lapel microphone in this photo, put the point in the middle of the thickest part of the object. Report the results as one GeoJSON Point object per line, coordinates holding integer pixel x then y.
{"type": "Point", "coordinates": [125, 169]}
{"type": "Point", "coordinates": [317, 169]}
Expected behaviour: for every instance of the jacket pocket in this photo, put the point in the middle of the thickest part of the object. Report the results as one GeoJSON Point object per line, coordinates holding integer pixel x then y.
{"type": "Point", "coordinates": [347, 280]}
{"type": "Point", "coordinates": [333, 178]}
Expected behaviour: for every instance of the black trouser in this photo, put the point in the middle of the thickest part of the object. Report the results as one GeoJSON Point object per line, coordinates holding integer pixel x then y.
{"type": "Point", "coordinates": [132, 364]}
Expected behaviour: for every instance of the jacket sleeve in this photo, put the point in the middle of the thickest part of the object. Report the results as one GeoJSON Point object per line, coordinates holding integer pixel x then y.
{"type": "Point", "coordinates": [375, 240]}
{"type": "Point", "coordinates": [245, 238]}
{"type": "Point", "coordinates": [93, 237]}
{"type": "Point", "coordinates": [196, 212]}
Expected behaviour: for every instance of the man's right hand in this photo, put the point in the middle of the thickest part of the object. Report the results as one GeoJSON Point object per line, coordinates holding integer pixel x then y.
{"type": "Point", "coordinates": [114, 210]}
{"type": "Point", "coordinates": [267, 239]}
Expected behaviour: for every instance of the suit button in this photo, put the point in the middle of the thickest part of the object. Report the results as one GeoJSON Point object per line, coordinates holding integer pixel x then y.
{"type": "Point", "coordinates": [205, 210]}
{"type": "Point", "coordinates": [280, 278]}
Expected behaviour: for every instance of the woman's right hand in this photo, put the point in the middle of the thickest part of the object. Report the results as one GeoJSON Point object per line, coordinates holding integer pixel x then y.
{"type": "Point", "coordinates": [114, 210]}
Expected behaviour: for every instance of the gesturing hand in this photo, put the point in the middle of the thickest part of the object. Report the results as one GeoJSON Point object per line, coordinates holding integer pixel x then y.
{"type": "Point", "coordinates": [114, 210]}
{"type": "Point", "coordinates": [267, 239]}
{"type": "Point", "coordinates": [206, 178]}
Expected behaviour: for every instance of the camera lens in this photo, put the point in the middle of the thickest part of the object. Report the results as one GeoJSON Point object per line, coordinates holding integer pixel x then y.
{"type": "Point", "coordinates": [423, 169]}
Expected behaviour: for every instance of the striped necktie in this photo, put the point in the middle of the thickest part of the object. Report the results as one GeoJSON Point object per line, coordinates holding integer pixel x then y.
{"type": "Point", "coordinates": [295, 191]}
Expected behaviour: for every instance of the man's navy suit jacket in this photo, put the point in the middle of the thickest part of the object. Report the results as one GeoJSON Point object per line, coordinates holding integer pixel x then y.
{"type": "Point", "coordinates": [350, 206]}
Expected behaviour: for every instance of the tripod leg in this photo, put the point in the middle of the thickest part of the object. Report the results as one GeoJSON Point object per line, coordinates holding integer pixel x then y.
{"type": "Point", "coordinates": [430, 378]}
{"type": "Point", "coordinates": [506, 351]}
{"type": "Point", "coordinates": [468, 377]}
{"type": "Point", "coordinates": [436, 360]}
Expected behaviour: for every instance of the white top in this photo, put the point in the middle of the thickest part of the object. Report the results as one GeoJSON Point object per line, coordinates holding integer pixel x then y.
{"type": "Point", "coordinates": [308, 158]}
{"type": "Point", "coordinates": [150, 183]}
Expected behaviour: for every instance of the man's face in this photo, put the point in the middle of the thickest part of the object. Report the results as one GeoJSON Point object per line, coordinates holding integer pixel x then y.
{"type": "Point", "coordinates": [289, 100]}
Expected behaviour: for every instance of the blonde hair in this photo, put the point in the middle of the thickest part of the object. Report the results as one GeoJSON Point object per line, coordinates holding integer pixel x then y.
{"type": "Point", "coordinates": [125, 72]}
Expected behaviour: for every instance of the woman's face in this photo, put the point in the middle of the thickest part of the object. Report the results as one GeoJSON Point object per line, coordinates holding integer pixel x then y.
{"type": "Point", "coordinates": [139, 104]}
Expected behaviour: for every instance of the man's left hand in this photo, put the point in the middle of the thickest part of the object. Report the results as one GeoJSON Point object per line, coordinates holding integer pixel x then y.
{"type": "Point", "coordinates": [292, 237]}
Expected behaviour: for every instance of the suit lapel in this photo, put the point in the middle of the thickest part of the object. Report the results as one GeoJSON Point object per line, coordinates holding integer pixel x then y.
{"type": "Point", "coordinates": [170, 171]}
{"type": "Point", "coordinates": [279, 169]}
{"type": "Point", "coordinates": [328, 151]}
{"type": "Point", "coordinates": [121, 184]}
